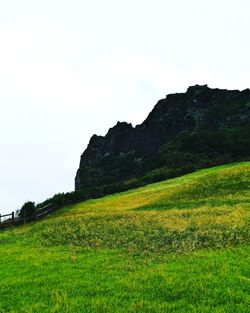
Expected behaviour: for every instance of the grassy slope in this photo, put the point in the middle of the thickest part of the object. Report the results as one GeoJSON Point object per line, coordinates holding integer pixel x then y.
{"type": "Point", "coordinates": [177, 246]}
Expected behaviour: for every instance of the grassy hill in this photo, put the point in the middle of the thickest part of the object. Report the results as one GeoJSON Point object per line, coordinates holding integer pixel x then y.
{"type": "Point", "coordinates": [181, 245]}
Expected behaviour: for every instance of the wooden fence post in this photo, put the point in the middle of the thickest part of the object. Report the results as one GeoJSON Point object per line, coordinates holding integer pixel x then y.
{"type": "Point", "coordinates": [13, 217]}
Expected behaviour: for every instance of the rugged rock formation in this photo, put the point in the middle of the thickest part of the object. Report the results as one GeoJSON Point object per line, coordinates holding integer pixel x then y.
{"type": "Point", "coordinates": [184, 131]}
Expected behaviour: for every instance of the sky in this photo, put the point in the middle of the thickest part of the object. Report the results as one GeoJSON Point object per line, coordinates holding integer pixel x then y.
{"type": "Point", "coordinates": [71, 69]}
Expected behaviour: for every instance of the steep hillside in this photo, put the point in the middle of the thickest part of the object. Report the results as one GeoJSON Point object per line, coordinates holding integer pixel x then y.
{"type": "Point", "coordinates": [205, 208]}
{"type": "Point", "coordinates": [181, 245]}
{"type": "Point", "coordinates": [200, 128]}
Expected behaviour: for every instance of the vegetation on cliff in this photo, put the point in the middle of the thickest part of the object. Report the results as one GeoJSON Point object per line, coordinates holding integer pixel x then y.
{"type": "Point", "coordinates": [184, 132]}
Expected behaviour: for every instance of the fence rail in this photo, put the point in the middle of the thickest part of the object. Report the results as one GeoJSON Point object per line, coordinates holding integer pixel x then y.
{"type": "Point", "coordinates": [12, 220]}
{"type": "Point", "coordinates": [12, 217]}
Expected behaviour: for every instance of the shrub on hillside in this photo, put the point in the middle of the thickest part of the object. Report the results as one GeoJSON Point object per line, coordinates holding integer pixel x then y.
{"type": "Point", "coordinates": [28, 209]}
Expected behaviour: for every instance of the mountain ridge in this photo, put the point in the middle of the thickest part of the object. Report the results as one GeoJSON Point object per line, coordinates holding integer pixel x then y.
{"type": "Point", "coordinates": [200, 128]}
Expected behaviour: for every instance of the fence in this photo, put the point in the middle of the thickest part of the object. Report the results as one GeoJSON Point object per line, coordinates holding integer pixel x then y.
{"type": "Point", "coordinates": [8, 220]}
{"type": "Point", "coordinates": [12, 217]}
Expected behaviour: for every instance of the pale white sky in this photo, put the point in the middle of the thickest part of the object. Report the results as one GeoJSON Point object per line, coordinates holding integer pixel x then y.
{"type": "Point", "coordinates": [69, 69]}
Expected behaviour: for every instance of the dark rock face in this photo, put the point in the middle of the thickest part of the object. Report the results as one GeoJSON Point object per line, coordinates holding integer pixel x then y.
{"type": "Point", "coordinates": [201, 127]}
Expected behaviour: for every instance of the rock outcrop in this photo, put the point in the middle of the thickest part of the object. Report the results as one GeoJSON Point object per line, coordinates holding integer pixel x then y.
{"type": "Point", "coordinates": [199, 128]}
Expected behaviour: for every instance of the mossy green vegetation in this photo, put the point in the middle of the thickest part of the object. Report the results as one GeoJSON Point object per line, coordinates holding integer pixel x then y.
{"type": "Point", "coordinates": [181, 245]}
{"type": "Point", "coordinates": [184, 132]}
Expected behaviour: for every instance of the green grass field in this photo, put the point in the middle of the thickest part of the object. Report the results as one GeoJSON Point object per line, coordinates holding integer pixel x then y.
{"type": "Point", "coordinates": [180, 245]}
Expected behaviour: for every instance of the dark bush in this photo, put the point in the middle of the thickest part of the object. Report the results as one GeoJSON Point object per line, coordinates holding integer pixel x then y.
{"type": "Point", "coordinates": [28, 209]}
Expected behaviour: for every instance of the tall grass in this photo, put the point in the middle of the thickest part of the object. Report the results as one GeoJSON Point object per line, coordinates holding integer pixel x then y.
{"type": "Point", "coordinates": [177, 246]}
{"type": "Point", "coordinates": [209, 209]}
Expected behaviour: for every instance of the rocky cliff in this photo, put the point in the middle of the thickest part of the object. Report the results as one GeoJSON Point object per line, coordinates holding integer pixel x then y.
{"type": "Point", "coordinates": [183, 132]}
